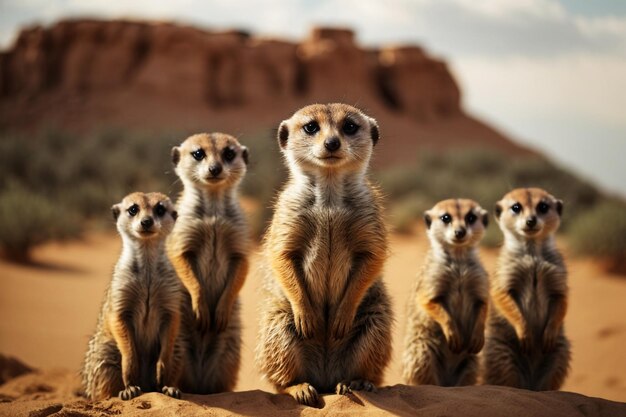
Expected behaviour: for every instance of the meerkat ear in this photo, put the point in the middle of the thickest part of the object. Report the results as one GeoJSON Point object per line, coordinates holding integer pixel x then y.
{"type": "Point", "coordinates": [498, 211]}
{"type": "Point", "coordinates": [244, 154]}
{"type": "Point", "coordinates": [374, 132]}
{"type": "Point", "coordinates": [283, 134]}
{"type": "Point", "coordinates": [559, 207]}
{"type": "Point", "coordinates": [175, 155]}
{"type": "Point", "coordinates": [427, 219]}
{"type": "Point", "coordinates": [115, 210]}
{"type": "Point", "coordinates": [485, 218]}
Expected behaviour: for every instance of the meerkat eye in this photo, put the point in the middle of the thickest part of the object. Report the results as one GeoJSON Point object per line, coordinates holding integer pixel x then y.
{"type": "Point", "coordinates": [229, 154]}
{"type": "Point", "coordinates": [446, 218]}
{"type": "Point", "coordinates": [470, 218]}
{"type": "Point", "coordinates": [160, 210]}
{"type": "Point", "coordinates": [311, 128]}
{"type": "Point", "coordinates": [133, 210]}
{"type": "Point", "coordinates": [516, 208]}
{"type": "Point", "coordinates": [543, 208]}
{"type": "Point", "coordinates": [349, 127]}
{"type": "Point", "coordinates": [198, 155]}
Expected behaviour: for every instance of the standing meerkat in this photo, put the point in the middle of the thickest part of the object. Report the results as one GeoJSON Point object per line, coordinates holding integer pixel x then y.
{"type": "Point", "coordinates": [526, 346]}
{"type": "Point", "coordinates": [326, 318]}
{"type": "Point", "coordinates": [136, 346]}
{"type": "Point", "coordinates": [447, 310]}
{"type": "Point", "coordinates": [209, 250]}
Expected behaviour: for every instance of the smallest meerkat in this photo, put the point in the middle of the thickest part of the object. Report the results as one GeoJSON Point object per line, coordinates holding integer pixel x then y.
{"type": "Point", "coordinates": [136, 347]}
{"type": "Point", "coordinates": [448, 307]}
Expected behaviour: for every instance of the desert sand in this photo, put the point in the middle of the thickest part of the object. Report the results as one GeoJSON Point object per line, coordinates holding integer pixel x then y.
{"type": "Point", "coordinates": [49, 309]}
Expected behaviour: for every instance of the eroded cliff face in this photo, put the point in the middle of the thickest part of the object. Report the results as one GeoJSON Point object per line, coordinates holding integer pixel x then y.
{"type": "Point", "coordinates": [88, 74]}
{"type": "Point", "coordinates": [223, 69]}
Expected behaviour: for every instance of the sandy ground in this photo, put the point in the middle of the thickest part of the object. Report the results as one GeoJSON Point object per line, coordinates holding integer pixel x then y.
{"type": "Point", "coordinates": [47, 312]}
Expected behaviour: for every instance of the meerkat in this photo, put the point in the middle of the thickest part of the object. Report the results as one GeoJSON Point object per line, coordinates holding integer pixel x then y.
{"type": "Point", "coordinates": [526, 345]}
{"type": "Point", "coordinates": [209, 249]}
{"type": "Point", "coordinates": [326, 317]}
{"type": "Point", "coordinates": [136, 347]}
{"type": "Point", "coordinates": [448, 306]}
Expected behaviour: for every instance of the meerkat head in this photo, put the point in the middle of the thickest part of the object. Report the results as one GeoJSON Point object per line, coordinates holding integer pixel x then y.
{"type": "Point", "coordinates": [456, 222]}
{"type": "Point", "coordinates": [529, 213]}
{"type": "Point", "coordinates": [326, 137]}
{"type": "Point", "coordinates": [145, 216]}
{"type": "Point", "coordinates": [213, 161]}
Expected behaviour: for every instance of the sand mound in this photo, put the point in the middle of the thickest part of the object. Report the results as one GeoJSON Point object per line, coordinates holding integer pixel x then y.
{"type": "Point", "coordinates": [11, 367]}
{"type": "Point", "coordinates": [56, 393]}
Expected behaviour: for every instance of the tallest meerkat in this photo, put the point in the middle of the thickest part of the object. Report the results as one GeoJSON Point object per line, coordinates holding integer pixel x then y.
{"type": "Point", "coordinates": [326, 317]}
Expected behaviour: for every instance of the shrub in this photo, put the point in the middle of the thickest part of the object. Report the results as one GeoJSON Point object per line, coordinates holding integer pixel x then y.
{"type": "Point", "coordinates": [28, 219]}
{"type": "Point", "coordinates": [602, 232]}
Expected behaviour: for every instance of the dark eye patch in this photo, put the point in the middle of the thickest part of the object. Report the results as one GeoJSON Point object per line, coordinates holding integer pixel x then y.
{"type": "Point", "coordinates": [133, 210]}
{"type": "Point", "coordinates": [471, 218]}
{"type": "Point", "coordinates": [160, 210]}
{"type": "Point", "coordinates": [516, 208]}
{"type": "Point", "coordinates": [543, 207]}
{"type": "Point", "coordinates": [349, 127]}
{"type": "Point", "coordinates": [446, 218]}
{"type": "Point", "coordinates": [198, 154]}
{"type": "Point", "coordinates": [229, 154]}
{"type": "Point", "coordinates": [311, 128]}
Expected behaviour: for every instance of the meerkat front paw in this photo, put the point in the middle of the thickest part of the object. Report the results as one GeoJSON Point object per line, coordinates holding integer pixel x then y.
{"type": "Point", "coordinates": [130, 392]}
{"type": "Point", "coordinates": [345, 387]}
{"type": "Point", "coordinates": [304, 327]}
{"type": "Point", "coordinates": [454, 339]}
{"type": "Point", "coordinates": [304, 394]}
{"type": "Point", "coordinates": [171, 392]}
{"type": "Point", "coordinates": [341, 324]}
{"type": "Point", "coordinates": [550, 337]}
{"type": "Point", "coordinates": [202, 316]}
{"type": "Point", "coordinates": [525, 339]}
{"type": "Point", "coordinates": [476, 343]}
{"type": "Point", "coordinates": [221, 316]}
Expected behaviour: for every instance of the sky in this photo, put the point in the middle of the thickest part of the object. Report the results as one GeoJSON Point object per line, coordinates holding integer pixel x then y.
{"type": "Point", "coordinates": [551, 74]}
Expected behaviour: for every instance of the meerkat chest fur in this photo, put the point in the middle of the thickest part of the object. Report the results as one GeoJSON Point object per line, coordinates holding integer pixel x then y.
{"type": "Point", "coordinates": [211, 230]}
{"type": "Point", "coordinates": [332, 222]}
{"type": "Point", "coordinates": [533, 275]}
{"type": "Point", "coordinates": [145, 291]}
{"type": "Point", "coordinates": [461, 281]}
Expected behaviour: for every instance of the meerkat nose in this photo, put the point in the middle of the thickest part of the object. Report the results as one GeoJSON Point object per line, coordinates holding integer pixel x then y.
{"type": "Point", "coordinates": [531, 221]}
{"type": "Point", "coordinates": [215, 169]}
{"type": "Point", "coordinates": [460, 233]}
{"type": "Point", "coordinates": [332, 144]}
{"type": "Point", "coordinates": [147, 223]}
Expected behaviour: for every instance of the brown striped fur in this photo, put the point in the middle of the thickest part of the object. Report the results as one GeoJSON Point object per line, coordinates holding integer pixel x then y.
{"type": "Point", "coordinates": [136, 346]}
{"type": "Point", "coordinates": [448, 308]}
{"type": "Point", "coordinates": [526, 345]}
{"type": "Point", "coordinates": [326, 318]}
{"type": "Point", "coordinates": [209, 250]}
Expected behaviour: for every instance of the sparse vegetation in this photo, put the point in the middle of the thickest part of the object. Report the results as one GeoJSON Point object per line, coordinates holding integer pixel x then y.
{"type": "Point", "coordinates": [53, 184]}
{"type": "Point", "coordinates": [602, 232]}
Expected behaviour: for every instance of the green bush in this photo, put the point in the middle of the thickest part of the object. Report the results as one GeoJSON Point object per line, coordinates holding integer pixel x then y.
{"type": "Point", "coordinates": [484, 176]}
{"type": "Point", "coordinates": [28, 219]}
{"type": "Point", "coordinates": [602, 232]}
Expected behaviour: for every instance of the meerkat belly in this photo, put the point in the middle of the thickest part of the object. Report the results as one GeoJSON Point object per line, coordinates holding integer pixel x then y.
{"type": "Point", "coordinates": [329, 256]}
{"type": "Point", "coordinates": [535, 299]}
{"type": "Point", "coordinates": [213, 259]}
